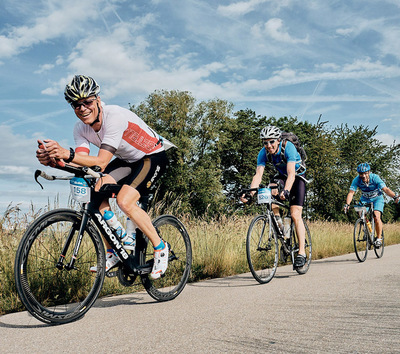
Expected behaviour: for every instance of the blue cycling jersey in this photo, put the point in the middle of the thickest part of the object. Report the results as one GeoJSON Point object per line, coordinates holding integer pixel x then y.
{"type": "Point", "coordinates": [291, 155]}
{"type": "Point", "coordinates": [371, 190]}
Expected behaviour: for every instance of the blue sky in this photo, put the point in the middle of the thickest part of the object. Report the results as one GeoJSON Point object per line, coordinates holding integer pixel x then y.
{"type": "Point", "coordinates": [276, 57]}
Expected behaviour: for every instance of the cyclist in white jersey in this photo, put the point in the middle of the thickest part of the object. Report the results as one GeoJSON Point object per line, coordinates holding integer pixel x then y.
{"type": "Point", "coordinates": [139, 163]}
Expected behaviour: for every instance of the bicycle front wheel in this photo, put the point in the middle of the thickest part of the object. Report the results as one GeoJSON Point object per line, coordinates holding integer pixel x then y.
{"type": "Point", "coordinates": [172, 282]}
{"type": "Point", "coordinates": [379, 251]}
{"type": "Point", "coordinates": [51, 291]}
{"type": "Point", "coordinates": [360, 240]}
{"type": "Point", "coordinates": [262, 249]}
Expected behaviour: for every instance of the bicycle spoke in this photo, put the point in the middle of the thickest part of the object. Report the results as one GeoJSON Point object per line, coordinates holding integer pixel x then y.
{"type": "Point", "coordinates": [261, 250]}
{"type": "Point", "coordinates": [360, 240]}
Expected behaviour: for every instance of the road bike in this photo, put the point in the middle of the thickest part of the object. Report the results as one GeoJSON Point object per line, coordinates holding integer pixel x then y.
{"type": "Point", "coordinates": [364, 232]}
{"type": "Point", "coordinates": [264, 236]}
{"type": "Point", "coordinates": [53, 260]}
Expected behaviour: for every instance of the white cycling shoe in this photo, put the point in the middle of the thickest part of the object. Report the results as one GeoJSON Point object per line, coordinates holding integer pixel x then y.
{"type": "Point", "coordinates": [160, 262]}
{"type": "Point", "coordinates": [111, 261]}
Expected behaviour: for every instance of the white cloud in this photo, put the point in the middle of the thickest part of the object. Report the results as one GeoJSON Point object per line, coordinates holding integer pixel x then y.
{"type": "Point", "coordinates": [15, 170]}
{"type": "Point", "coordinates": [241, 8]}
{"type": "Point", "coordinates": [344, 31]}
{"type": "Point", "coordinates": [43, 68]}
{"type": "Point", "coordinates": [387, 139]}
{"type": "Point", "coordinates": [274, 29]}
{"type": "Point", "coordinates": [61, 20]}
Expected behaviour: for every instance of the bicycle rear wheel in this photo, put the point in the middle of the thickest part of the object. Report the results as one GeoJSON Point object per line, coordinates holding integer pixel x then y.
{"type": "Point", "coordinates": [50, 291]}
{"type": "Point", "coordinates": [360, 240]}
{"type": "Point", "coordinates": [307, 248]}
{"type": "Point", "coordinates": [172, 282]}
{"type": "Point", "coordinates": [262, 249]}
{"type": "Point", "coordinates": [379, 251]}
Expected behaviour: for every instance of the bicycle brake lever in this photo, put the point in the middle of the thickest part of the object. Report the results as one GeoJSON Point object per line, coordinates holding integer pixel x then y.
{"type": "Point", "coordinates": [37, 174]}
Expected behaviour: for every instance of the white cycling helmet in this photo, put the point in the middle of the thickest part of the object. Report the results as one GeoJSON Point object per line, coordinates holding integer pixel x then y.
{"type": "Point", "coordinates": [270, 132]}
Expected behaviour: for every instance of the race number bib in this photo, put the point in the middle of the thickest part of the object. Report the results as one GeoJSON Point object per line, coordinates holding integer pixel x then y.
{"type": "Point", "coordinates": [80, 190]}
{"type": "Point", "coordinates": [264, 195]}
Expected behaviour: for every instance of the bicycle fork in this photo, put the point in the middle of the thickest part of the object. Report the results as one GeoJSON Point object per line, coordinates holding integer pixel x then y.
{"type": "Point", "coordinates": [60, 264]}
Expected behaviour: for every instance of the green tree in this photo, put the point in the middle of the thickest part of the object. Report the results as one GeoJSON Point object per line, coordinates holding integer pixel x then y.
{"type": "Point", "coordinates": [194, 173]}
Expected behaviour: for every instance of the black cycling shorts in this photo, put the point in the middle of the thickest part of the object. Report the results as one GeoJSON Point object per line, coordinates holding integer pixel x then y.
{"type": "Point", "coordinates": [141, 174]}
{"type": "Point", "coordinates": [298, 191]}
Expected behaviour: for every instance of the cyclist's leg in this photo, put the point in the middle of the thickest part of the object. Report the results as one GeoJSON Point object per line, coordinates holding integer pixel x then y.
{"type": "Point", "coordinates": [141, 178]}
{"type": "Point", "coordinates": [297, 198]}
{"type": "Point", "coordinates": [296, 213]}
{"type": "Point", "coordinates": [378, 211]}
{"type": "Point", "coordinates": [127, 201]}
{"type": "Point", "coordinates": [105, 205]}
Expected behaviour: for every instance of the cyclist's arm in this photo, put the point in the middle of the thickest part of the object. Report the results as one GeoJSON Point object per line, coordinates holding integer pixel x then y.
{"type": "Point", "coordinates": [291, 173]}
{"type": "Point", "coordinates": [102, 159]}
{"type": "Point", "coordinates": [390, 193]}
{"type": "Point", "coordinates": [81, 158]}
{"type": "Point", "coordinates": [349, 197]}
{"type": "Point", "coordinates": [257, 178]}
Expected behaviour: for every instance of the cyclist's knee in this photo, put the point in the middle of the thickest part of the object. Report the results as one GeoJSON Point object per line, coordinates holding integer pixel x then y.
{"type": "Point", "coordinates": [127, 198]}
{"type": "Point", "coordinates": [296, 212]}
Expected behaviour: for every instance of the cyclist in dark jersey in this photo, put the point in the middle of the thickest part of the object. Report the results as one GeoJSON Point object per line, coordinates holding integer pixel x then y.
{"type": "Point", "coordinates": [291, 175]}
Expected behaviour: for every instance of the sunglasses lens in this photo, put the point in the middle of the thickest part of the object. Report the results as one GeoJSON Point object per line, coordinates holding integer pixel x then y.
{"type": "Point", "coordinates": [76, 105]}
{"type": "Point", "coordinates": [271, 142]}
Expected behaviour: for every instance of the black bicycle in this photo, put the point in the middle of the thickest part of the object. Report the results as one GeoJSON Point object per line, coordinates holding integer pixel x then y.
{"type": "Point", "coordinates": [53, 260]}
{"type": "Point", "coordinates": [364, 235]}
{"type": "Point", "coordinates": [264, 236]}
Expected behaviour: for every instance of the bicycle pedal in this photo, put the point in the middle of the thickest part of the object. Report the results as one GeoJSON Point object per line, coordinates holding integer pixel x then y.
{"type": "Point", "coordinates": [111, 274]}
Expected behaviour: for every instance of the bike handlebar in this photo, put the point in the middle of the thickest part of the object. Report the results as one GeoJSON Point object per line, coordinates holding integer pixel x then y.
{"type": "Point", "coordinates": [84, 172]}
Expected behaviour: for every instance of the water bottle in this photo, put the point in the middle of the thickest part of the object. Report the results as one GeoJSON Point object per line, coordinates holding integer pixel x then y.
{"type": "Point", "coordinates": [130, 238]}
{"type": "Point", "coordinates": [369, 226]}
{"type": "Point", "coordinates": [114, 223]}
{"type": "Point", "coordinates": [279, 221]}
{"type": "Point", "coordinates": [286, 227]}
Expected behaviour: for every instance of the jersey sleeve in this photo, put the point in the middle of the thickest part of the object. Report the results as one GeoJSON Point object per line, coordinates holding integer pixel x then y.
{"type": "Point", "coordinates": [379, 182]}
{"type": "Point", "coordinates": [81, 143]}
{"type": "Point", "coordinates": [291, 153]}
{"type": "Point", "coordinates": [354, 184]}
{"type": "Point", "coordinates": [262, 157]}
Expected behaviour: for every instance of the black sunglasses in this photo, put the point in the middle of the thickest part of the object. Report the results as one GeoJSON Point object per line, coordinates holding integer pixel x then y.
{"type": "Point", "coordinates": [87, 103]}
{"type": "Point", "coordinates": [271, 142]}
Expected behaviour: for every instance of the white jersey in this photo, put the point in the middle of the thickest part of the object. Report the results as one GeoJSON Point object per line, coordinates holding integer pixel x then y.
{"type": "Point", "coordinates": [121, 129]}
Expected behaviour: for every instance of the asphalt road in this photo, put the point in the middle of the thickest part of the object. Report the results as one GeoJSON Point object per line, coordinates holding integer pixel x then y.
{"type": "Point", "coordinates": [339, 306]}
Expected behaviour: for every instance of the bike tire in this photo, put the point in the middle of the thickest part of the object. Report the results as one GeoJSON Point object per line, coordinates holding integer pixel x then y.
{"type": "Point", "coordinates": [173, 281]}
{"type": "Point", "coordinates": [379, 251]}
{"type": "Point", "coordinates": [50, 294]}
{"type": "Point", "coordinates": [307, 247]}
{"type": "Point", "coordinates": [261, 249]}
{"type": "Point", "coordinates": [360, 240]}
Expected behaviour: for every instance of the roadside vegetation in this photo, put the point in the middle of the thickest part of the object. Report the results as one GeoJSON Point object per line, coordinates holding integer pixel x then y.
{"type": "Point", "coordinates": [219, 248]}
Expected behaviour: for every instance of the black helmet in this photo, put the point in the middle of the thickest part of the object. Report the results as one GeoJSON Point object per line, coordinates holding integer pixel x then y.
{"type": "Point", "coordinates": [81, 86]}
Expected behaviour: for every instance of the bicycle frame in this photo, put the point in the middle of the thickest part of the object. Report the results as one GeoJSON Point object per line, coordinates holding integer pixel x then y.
{"type": "Point", "coordinates": [90, 211]}
{"type": "Point", "coordinates": [364, 210]}
{"type": "Point", "coordinates": [271, 217]}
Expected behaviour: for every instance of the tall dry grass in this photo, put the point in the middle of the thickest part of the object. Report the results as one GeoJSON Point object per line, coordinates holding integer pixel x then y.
{"type": "Point", "coordinates": [219, 247]}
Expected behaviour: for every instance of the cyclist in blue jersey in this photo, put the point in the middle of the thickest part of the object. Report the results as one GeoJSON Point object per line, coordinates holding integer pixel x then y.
{"type": "Point", "coordinates": [291, 176]}
{"type": "Point", "coordinates": [372, 188]}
